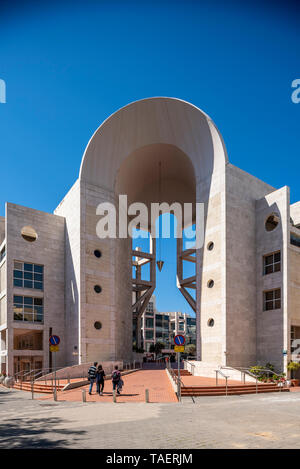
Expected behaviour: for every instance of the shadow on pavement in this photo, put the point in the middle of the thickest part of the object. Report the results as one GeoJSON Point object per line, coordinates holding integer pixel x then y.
{"type": "Point", "coordinates": [37, 433]}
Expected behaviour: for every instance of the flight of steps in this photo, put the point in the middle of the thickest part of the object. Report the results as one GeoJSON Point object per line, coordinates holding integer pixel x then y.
{"type": "Point", "coordinates": [38, 387]}
{"type": "Point", "coordinates": [183, 373]}
{"type": "Point", "coordinates": [231, 390]}
{"type": "Point", "coordinates": [236, 389]}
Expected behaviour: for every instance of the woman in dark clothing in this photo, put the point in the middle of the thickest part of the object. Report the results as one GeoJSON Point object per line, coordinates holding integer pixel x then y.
{"type": "Point", "coordinates": [100, 380]}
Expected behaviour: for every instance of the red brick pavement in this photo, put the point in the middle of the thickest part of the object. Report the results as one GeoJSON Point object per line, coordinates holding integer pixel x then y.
{"type": "Point", "coordinates": [157, 381]}
{"type": "Point", "coordinates": [202, 381]}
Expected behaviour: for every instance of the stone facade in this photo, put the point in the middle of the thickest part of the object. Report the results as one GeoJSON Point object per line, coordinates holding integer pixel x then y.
{"type": "Point", "coordinates": [233, 327]}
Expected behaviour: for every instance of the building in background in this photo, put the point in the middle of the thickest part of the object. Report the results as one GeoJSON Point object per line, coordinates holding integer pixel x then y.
{"type": "Point", "coordinates": [159, 326]}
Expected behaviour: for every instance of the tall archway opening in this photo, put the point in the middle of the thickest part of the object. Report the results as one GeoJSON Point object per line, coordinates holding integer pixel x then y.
{"type": "Point", "coordinates": [157, 174]}
{"type": "Point", "coordinates": [123, 157]}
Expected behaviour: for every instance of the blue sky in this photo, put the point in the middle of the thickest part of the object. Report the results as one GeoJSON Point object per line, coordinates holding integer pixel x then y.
{"type": "Point", "coordinates": [69, 65]}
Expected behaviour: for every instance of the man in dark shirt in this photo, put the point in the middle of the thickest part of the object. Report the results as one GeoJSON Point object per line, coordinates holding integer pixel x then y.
{"type": "Point", "coordinates": [116, 376]}
{"type": "Point", "coordinates": [92, 375]}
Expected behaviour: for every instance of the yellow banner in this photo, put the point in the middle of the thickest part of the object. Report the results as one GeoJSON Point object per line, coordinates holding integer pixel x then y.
{"type": "Point", "coordinates": [178, 348]}
{"type": "Point", "coordinates": [54, 348]}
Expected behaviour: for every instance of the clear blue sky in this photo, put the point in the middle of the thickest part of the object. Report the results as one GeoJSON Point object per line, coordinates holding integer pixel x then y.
{"type": "Point", "coordinates": [69, 65]}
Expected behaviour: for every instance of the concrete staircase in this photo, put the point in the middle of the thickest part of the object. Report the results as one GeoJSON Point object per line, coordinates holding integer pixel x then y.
{"type": "Point", "coordinates": [220, 390]}
{"type": "Point", "coordinates": [231, 390]}
{"type": "Point", "coordinates": [38, 387]}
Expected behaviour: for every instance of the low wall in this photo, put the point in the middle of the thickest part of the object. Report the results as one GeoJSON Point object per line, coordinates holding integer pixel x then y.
{"type": "Point", "coordinates": [81, 371]}
{"type": "Point", "coordinates": [208, 370]}
{"type": "Point", "coordinates": [84, 382]}
{"type": "Point", "coordinates": [173, 384]}
{"type": "Point", "coordinates": [204, 369]}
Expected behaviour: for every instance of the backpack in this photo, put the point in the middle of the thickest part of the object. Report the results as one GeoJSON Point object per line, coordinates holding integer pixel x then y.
{"type": "Point", "coordinates": [116, 376]}
{"type": "Point", "coordinates": [92, 372]}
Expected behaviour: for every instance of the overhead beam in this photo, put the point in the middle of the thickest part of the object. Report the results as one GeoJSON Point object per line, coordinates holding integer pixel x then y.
{"type": "Point", "coordinates": [136, 281]}
{"type": "Point", "coordinates": [187, 252]}
{"type": "Point", "coordinates": [145, 255]}
{"type": "Point", "coordinates": [188, 280]}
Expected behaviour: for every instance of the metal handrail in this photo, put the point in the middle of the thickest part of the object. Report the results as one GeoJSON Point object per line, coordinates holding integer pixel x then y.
{"type": "Point", "coordinates": [32, 374]}
{"type": "Point", "coordinates": [247, 371]}
{"type": "Point", "coordinates": [132, 365]}
{"type": "Point", "coordinates": [176, 377]}
{"type": "Point", "coordinates": [192, 365]}
{"type": "Point", "coordinates": [224, 376]}
{"type": "Point", "coordinates": [244, 370]}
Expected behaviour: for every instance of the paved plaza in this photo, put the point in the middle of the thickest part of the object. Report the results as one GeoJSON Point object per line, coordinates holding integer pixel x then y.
{"type": "Point", "coordinates": [252, 421]}
{"type": "Point", "coordinates": [135, 384]}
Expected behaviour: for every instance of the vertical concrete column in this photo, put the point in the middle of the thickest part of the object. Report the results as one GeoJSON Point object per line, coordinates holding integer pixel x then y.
{"type": "Point", "coordinates": [10, 347]}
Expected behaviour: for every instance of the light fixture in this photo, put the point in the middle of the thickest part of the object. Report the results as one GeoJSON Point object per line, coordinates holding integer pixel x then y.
{"type": "Point", "coordinates": [159, 263]}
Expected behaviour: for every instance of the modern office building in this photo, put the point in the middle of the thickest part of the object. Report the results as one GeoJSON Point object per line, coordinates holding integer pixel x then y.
{"type": "Point", "coordinates": [159, 326]}
{"type": "Point", "coordinates": [58, 276]}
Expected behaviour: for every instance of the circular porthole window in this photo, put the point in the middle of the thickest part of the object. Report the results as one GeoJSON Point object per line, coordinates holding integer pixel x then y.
{"type": "Point", "coordinates": [211, 322]}
{"type": "Point", "coordinates": [97, 253]}
{"type": "Point", "coordinates": [210, 246]}
{"type": "Point", "coordinates": [29, 234]}
{"type": "Point", "coordinates": [272, 222]}
{"type": "Point", "coordinates": [97, 288]}
{"type": "Point", "coordinates": [210, 283]}
{"type": "Point", "coordinates": [97, 325]}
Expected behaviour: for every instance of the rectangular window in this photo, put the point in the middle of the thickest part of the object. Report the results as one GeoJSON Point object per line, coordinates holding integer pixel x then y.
{"type": "Point", "coordinates": [28, 275]}
{"type": "Point", "coordinates": [272, 263]}
{"type": "Point", "coordinates": [28, 309]}
{"type": "Point", "coordinates": [149, 335]}
{"type": "Point", "coordinates": [272, 299]}
{"type": "Point", "coordinates": [149, 323]}
{"type": "Point", "coordinates": [295, 240]}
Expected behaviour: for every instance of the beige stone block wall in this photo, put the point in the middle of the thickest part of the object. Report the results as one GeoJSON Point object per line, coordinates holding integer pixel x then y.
{"type": "Point", "coordinates": [3, 311]}
{"type": "Point", "coordinates": [48, 250]}
{"type": "Point", "coordinates": [294, 288]}
{"type": "Point", "coordinates": [112, 271]}
{"type": "Point", "coordinates": [210, 266]}
{"type": "Point", "coordinates": [2, 229]}
{"type": "Point", "coordinates": [242, 190]}
{"type": "Point", "coordinates": [70, 208]}
{"type": "Point", "coordinates": [295, 213]}
{"type": "Point", "coordinates": [3, 277]}
{"type": "Point", "coordinates": [272, 328]}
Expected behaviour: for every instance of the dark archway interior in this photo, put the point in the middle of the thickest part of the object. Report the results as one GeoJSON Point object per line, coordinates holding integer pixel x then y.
{"type": "Point", "coordinates": [138, 176]}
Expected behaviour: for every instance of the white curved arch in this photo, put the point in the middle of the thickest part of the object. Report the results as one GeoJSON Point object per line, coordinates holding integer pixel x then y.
{"type": "Point", "coordinates": [151, 121]}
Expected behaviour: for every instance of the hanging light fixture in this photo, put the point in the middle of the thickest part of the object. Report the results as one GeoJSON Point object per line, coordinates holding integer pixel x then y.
{"type": "Point", "coordinates": [159, 263]}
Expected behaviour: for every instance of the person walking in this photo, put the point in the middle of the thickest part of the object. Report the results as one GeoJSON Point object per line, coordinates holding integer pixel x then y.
{"type": "Point", "coordinates": [115, 377]}
{"type": "Point", "coordinates": [92, 376]}
{"type": "Point", "coordinates": [100, 380]}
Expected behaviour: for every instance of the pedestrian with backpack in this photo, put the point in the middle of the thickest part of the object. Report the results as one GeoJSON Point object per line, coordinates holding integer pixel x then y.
{"type": "Point", "coordinates": [115, 377]}
{"type": "Point", "coordinates": [92, 376]}
{"type": "Point", "coordinates": [100, 380]}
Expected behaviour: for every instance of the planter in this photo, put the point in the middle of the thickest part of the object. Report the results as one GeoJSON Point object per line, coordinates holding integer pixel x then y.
{"type": "Point", "coordinates": [295, 382]}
